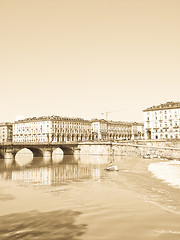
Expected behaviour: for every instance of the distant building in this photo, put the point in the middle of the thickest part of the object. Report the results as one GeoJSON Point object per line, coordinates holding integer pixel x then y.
{"type": "Point", "coordinates": [64, 129]}
{"type": "Point", "coordinates": [162, 121]}
{"type": "Point", "coordinates": [119, 130]}
{"type": "Point", "coordinates": [5, 132]}
{"type": "Point", "coordinates": [51, 129]}
{"type": "Point", "coordinates": [116, 130]}
{"type": "Point", "coordinates": [99, 129]}
{"type": "Point", "coordinates": [137, 131]}
{"type": "Point", "coordinates": [61, 129]}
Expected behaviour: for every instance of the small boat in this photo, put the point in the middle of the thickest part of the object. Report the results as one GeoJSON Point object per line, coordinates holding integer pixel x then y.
{"type": "Point", "coordinates": [112, 168]}
{"type": "Point", "coordinates": [156, 156]}
{"type": "Point", "coordinates": [147, 156]}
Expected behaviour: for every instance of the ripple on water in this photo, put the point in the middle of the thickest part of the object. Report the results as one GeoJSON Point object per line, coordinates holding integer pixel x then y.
{"type": "Point", "coordinates": [41, 225]}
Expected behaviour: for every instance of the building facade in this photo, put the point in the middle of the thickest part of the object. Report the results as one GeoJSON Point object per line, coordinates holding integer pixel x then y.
{"type": "Point", "coordinates": [119, 130]}
{"type": "Point", "coordinates": [116, 130]}
{"type": "Point", "coordinates": [162, 121]}
{"type": "Point", "coordinates": [63, 129]}
{"type": "Point", "coordinates": [99, 129]}
{"type": "Point", "coordinates": [5, 132]}
{"type": "Point", "coordinates": [51, 129]}
{"type": "Point", "coordinates": [137, 131]}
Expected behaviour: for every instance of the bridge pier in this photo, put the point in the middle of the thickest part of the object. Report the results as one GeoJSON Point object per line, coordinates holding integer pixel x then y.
{"type": "Point", "coordinates": [77, 151]}
{"type": "Point", "coordinates": [9, 158]}
{"type": "Point", "coordinates": [47, 155]}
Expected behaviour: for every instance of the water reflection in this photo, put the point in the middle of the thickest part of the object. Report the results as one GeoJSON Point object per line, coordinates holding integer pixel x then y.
{"type": "Point", "coordinates": [57, 158]}
{"type": "Point", "coordinates": [67, 169]}
{"type": "Point", "coordinates": [106, 199]}
{"type": "Point", "coordinates": [27, 159]}
{"type": "Point", "coordinates": [24, 157]}
{"type": "Point", "coordinates": [95, 159]}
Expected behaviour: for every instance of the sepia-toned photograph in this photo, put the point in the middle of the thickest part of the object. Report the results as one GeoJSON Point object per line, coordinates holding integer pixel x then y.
{"type": "Point", "coordinates": [90, 120]}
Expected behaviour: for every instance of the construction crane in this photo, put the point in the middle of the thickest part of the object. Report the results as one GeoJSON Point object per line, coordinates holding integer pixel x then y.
{"type": "Point", "coordinates": [107, 113]}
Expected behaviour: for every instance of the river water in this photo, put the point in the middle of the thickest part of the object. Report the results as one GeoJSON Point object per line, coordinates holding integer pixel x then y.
{"type": "Point", "coordinates": [75, 198]}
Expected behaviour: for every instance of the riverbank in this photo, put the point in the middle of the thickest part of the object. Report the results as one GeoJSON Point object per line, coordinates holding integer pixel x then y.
{"type": "Point", "coordinates": [168, 149]}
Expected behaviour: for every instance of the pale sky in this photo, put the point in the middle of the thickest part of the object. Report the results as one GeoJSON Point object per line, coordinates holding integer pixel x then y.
{"type": "Point", "coordinates": [80, 58]}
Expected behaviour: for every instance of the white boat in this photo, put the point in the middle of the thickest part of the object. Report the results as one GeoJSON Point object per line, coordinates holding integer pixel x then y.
{"type": "Point", "coordinates": [112, 168]}
{"type": "Point", "coordinates": [147, 156]}
{"type": "Point", "coordinates": [156, 156]}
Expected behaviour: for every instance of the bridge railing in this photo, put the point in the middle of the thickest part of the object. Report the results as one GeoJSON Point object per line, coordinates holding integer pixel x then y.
{"type": "Point", "coordinates": [36, 143]}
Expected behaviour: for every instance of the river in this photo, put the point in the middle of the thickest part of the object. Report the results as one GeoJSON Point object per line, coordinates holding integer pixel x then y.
{"type": "Point", "coordinates": [75, 198]}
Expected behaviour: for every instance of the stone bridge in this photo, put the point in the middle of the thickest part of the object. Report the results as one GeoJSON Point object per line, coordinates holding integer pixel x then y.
{"type": "Point", "coordinates": [8, 151]}
{"type": "Point", "coordinates": [165, 149]}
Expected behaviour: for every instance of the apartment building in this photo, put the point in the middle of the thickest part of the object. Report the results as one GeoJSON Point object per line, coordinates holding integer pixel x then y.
{"type": "Point", "coordinates": [64, 129]}
{"type": "Point", "coordinates": [162, 121]}
{"type": "Point", "coordinates": [99, 129]}
{"type": "Point", "coordinates": [116, 130]}
{"type": "Point", "coordinates": [51, 129]}
{"type": "Point", "coordinates": [5, 132]}
{"type": "Point", "coordinates": [137, 131]}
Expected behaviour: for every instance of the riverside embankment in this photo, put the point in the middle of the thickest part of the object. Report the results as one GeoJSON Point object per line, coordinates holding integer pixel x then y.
{"type": "Point", "coordinates": [169, 149]}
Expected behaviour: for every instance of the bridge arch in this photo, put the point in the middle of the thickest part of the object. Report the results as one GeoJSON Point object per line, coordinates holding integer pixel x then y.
{"type": "Point", "coordinates": [23, 156]}
{"type": "Point", "coordinates": [35, 151]}
{"type": "Point", "coordinates": [57, 155]}
{"type": "Point", "coordinates": [67, 150]}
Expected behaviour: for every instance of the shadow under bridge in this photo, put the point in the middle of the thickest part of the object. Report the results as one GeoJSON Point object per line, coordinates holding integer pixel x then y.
{"type": "Point", "coordinates": [40, 151]}
{"type": "Point", "coordinates": [67, 150]}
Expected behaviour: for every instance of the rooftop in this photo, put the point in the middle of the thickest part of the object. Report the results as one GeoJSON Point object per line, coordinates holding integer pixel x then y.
{"type": "Point", "coordinates": [59, 118]}
{"type": "Point", "coordinates": [168, 105]}
{"type": "Point", "coordinates": [49, 118]}
{"type": "Point", "coordinates": [5, 124]}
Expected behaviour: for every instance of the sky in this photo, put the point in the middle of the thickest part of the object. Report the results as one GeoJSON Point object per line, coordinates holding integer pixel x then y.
{"type": "Point", "coordinates": [82, 58]}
